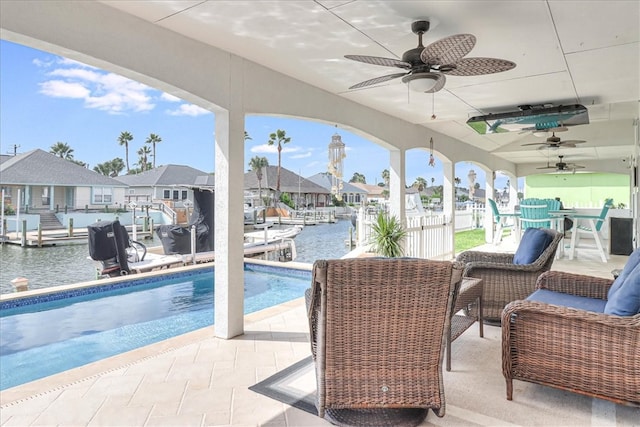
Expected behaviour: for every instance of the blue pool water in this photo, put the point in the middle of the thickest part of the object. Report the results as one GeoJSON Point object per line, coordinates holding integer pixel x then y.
{"type": "Point", "coordinates": [55, 333]}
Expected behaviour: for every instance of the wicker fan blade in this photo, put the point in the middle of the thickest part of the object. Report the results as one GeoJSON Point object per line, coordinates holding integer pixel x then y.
{"type": "Point", "coordinates": [573, 142]}
{"type": "Point", "coordinates": [547, 167]}
{"type": "Point", "coordinates": [448, 50]}
{"type": "Point", "coordinates": [377, 80]}
{"type": "Point", "coordinates": [535, 143]}
{"type": "Point", "coordinates": [479, 66]}
{"type": "Point", "coordinates": [377, 60]}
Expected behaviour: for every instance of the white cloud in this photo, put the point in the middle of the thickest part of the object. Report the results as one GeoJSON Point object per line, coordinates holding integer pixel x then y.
{"type": "Point", "coordinates": [169, 98]}
{"type": "Point", "coordinates": [103, 91]}
{"type": "Point", "coordinates": [273, 149]}
{"type": "Point", "coordinates": [188, 110]}
{"type": "Point", "coordinates": [62, 89]}
{"type": "Point", "coordinates": [301, 155]}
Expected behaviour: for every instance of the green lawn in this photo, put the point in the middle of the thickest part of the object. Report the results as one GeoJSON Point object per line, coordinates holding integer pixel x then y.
{"type": "Point", "coordinates": [469, 239]}
{"type": "Point", "coordinates": [472, 238]}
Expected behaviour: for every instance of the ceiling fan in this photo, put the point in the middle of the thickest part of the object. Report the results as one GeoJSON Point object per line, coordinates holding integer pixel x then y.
{"type": "Point", "coordinates": [426, 66]}
{"type": "Point", "coordinates": [555, 142]}
{"type": "Point", "coordinates": [561, 166]}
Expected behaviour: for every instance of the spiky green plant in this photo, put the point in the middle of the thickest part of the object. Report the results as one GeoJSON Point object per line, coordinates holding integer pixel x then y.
{"type": "Point", "coordinates": [387, 236]}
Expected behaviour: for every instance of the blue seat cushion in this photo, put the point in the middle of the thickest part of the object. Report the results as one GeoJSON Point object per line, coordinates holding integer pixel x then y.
{"type": "Point", "coordinates": [632, 262]}
{"type": "Point", "coordinates": [534, 241]}
{"type": "Point", "coordinates": [625, 301]}
{"type": "Point", "coordinates": [567, 300]}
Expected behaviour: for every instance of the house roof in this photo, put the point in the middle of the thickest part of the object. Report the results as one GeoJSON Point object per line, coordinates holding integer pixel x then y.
{"type": "Point", "coordinates": [37, 167]}
{"type": "Point", "coordinates": [290, 182]}
{"type": "Point", "coordinates": [324, 179]}
{"type": "Point", "coordinates": [167, 175]}
{"type": "Point", "coordinates": [371, 189]}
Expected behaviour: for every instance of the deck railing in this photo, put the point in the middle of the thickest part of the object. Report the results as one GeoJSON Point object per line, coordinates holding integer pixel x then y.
{"type": "Point", "coordinates": [427, 235]}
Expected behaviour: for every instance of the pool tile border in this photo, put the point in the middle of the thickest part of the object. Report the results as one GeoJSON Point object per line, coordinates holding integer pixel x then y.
{"type": "Point", "coordinates": [123, 284]}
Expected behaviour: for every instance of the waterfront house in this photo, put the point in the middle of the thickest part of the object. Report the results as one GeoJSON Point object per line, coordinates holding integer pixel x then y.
{"type": "Point", "coordinates": [351, 194]}
{"type": "Point", "coordinates": [374, 193]}
{"type": "Point", "coordinates": [303, 192]}
{"type": "Point", "coordinates": [169, 184]}
{"type": "Point", "coordinates": [38, 181]}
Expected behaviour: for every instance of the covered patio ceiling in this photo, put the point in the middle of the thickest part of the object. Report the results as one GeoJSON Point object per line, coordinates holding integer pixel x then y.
{"type": "Point", "coordinates": [566, 52]}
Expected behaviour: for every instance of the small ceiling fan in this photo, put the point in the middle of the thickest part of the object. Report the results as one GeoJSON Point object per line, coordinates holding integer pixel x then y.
{"type": "Point", "coordinates": [561, 166]}
{"type": "Point", "coordinates": [555, 142]}
{"type": "Point", "coordinates": [426, 66]}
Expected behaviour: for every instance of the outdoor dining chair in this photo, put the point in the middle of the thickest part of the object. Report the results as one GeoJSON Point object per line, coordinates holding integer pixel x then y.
{"type": "Point", "coordinates": [378, 332]}
{"type": "Point", "coordinates": [590, 225]}
{"type": "Point", "coordinates": [501, 221]}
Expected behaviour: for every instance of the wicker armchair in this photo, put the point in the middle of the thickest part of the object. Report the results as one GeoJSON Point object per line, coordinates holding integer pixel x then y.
{"type": "Point", "coordinates": [585, 352]}
{"type": "Point", "coordinates": [503, 280]}
{"type": "Point", "coordinates": [378, 336]}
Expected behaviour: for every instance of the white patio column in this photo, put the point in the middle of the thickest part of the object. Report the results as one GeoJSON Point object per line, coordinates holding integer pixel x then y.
{"type": "Point", "coordinates": [513, 192]}
{"type": "Point", "coordinates": [229, 223]}
{"type": "Point", "coordinates": [488, 213]}
{"type": "Point", "coordinates": [449, 202]}
{"type": "Point", "coordinates": [52, 198]}
{"type": "Point", "coordinates": [396, 184]}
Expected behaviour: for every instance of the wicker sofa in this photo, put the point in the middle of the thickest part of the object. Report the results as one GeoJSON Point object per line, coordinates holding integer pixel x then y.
{"type": "Point", "coordinates": [565, 339]}
{"type": "Point", "coordinates": [505, 281]}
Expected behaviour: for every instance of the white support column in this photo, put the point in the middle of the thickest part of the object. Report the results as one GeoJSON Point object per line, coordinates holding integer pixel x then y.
{"type": "Point", "coordinates": [513, 192]}
{"type": "Point", "coordinates": [449, 201]}
{"type": "Point", "coordinates": [488, 213]}
{"type": "Point", "coordinates": [396, 184]}
{"type": "Point", "coordinates": [52, 198]}
{"type": "Point", "coordinates": [229, 219]}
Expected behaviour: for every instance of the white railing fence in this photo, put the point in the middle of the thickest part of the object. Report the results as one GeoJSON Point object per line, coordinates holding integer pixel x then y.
{"type": "Point", "coordinates": [427, 235]}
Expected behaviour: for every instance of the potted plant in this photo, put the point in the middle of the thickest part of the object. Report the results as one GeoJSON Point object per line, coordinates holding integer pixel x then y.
{"type": "Point", "coordinates": [387, 236]}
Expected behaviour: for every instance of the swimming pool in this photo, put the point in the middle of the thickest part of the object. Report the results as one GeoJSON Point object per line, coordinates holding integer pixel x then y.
{"type": "Point", "coordinates": [47, 334]}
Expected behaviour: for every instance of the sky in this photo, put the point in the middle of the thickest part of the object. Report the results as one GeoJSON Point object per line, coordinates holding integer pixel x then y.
{"type": "Point", "coordinates": [45, 99]}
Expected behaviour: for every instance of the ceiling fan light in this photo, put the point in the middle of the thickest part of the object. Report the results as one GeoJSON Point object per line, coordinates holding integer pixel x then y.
{"type": "Point", "coordinates": [423, 82]}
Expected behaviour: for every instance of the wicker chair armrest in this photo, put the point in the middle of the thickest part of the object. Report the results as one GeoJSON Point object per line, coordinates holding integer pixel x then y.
{"type": "Point", "coordinates": [487, 257]}
{"type": "Point", "coordinates": [506, 267]}
{"type": "Point", "coordinates": [571, 317]}
{"type": "Point", "coordinates": [575, 284]}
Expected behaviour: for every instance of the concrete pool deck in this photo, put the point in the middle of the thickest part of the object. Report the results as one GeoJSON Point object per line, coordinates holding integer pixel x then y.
{"type": "Point", "coordinates": [197, 379]}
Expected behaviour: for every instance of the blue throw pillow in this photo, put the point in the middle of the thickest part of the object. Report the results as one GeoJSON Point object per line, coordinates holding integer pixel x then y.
{"type": "Point", "coordinates": [626, 300]}
{"type": "Point", "coordinates": [632, 262]}
{"type": "Point", "coordinates": [534, 241]}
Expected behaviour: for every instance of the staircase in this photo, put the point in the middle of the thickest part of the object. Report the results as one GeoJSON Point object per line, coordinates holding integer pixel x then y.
{"type": "Point", "coordinates": [49, 221]}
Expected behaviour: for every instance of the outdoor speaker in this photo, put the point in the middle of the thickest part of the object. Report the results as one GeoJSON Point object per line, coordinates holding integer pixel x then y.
{"type": "Point", "coordinates": [621, 233]}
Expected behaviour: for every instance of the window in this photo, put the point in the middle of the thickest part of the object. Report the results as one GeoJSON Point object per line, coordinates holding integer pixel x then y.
{"type": "Point", "coordinates": [166, 194]}
{"type": "Point", "coordinates": [102, 195]}
{"type": "Point", "coordinates": [176, 193]}
{"type": "Point", "coordinates": [184, 194]}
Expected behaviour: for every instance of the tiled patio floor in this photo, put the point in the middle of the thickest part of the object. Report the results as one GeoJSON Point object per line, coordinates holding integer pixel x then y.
{"type": "Point", "coordinates": [199, 380]}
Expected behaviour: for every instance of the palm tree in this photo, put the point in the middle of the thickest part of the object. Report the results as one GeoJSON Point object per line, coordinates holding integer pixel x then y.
{"type": "Point", "coordinates": [421, 183]}
{"type": "Point", "coordinates": [433, 181]}
{"type": "Point", "coordinates": [246, 136]}
{"type": "Point", "coordinates": [142, 160]}
{"type": "Point", "coordinates": [256, 164]}
{"type": "Point", "coordinates": [116, 166]}
{"type": "Point", "coordinates": [62, 150]}
{"type": "Point", "coordinates": [385, 177]}
{"type": "Point", "coordinates": [153, 139]}
{"type": "Point", "coordinates": [124, 139]}
{"type": "Point", "coordinates": [278, 137]}
{"type": "Point", "coordinates": [358, 177]}
{"type": "Point", "coordinates": [457, 180]}
{"type": "Point", "coordinates": [103, 168]}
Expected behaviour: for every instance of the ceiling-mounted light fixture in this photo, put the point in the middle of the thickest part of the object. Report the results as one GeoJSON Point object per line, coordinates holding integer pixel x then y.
{"type": "Point", "coordinates": [421, 82]}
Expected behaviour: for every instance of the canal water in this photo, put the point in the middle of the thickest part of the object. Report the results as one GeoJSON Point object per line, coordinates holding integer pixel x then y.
{"type": "Point", "coordinates": [68, 264]}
